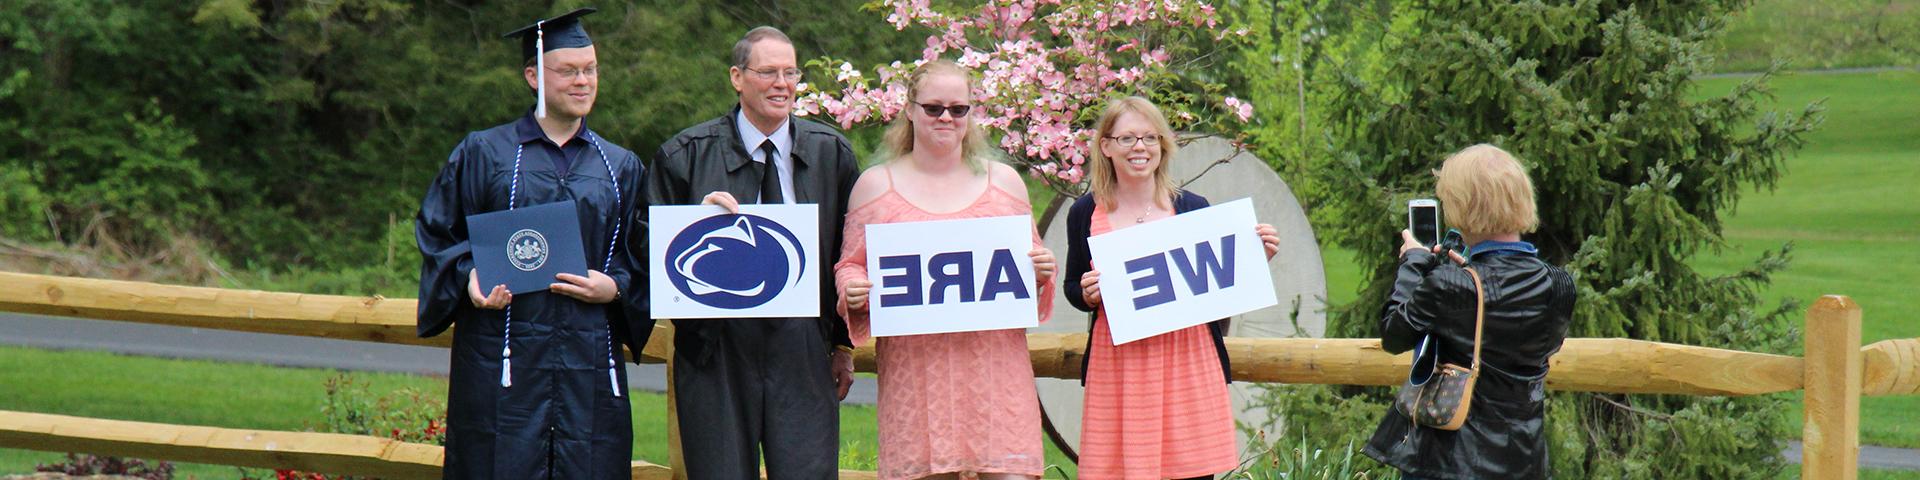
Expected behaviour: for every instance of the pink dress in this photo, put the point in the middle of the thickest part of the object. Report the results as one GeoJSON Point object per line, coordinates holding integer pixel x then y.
{"type": "Point", "coordinates": [951, 402]}
{"type": "Point", "coordinates": [1155, 407]}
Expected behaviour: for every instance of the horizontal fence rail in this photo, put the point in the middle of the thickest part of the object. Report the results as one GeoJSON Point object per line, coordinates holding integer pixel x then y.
{"type": "Point", "coordinates": [1835, 373]}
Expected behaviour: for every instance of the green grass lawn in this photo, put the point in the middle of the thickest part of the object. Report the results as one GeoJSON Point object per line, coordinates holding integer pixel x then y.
{"type": "Point", "coordinates": [1850, 203]}
{"type": "Point", "coordinates": [194, 392]}
{"type": "Point", "coordinates": [1810, 34]}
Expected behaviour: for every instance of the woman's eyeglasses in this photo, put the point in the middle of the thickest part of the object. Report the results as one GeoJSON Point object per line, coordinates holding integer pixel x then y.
{"type": "Point", "coordinates": [1129, 141]}
{"type": "Point", "coordinates": [936, 110]}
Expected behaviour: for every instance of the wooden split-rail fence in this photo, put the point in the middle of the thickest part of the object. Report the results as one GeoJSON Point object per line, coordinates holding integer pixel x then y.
{"type": "Point", "coordinates": [1835, 373]}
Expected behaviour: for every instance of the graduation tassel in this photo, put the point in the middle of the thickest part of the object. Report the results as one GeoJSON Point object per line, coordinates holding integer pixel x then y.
{"type": "Point", "coordinates": [506, 345]}
{"type": "Point", "coordinates": [615, 379]}
{"type": "Point", "coordinates": [506, 368]}
{"type": "Point", "coordinates": [540, 75]}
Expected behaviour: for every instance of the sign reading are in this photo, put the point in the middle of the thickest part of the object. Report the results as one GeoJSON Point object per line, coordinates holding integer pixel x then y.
{"type": "Point", "coordinates": [951, 276]}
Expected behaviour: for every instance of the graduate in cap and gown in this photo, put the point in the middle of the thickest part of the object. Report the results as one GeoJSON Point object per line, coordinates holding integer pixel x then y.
{"type": "Point", "coordinates": [537, 388]}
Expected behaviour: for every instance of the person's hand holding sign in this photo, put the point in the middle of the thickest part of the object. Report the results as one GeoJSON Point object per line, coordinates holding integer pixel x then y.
{"type": "Point", "coordinates": [1090, 287]}
{"type": "Point", "coordinates": [1042, 265]}
{"type": "Point", "coordinates": [724, 200]}
{"type": "Point", "coordinates": [855, 291]}
{"type": "Point", "coordinates": [1269, 238]}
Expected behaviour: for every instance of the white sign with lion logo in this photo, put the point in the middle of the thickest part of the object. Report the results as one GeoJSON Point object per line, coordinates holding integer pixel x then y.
{"type": "Point", "coordinates": [761, 263]}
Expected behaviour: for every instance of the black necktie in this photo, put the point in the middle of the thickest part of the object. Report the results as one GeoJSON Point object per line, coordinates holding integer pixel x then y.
{"type": "Point", "coordinates": [769, 175]}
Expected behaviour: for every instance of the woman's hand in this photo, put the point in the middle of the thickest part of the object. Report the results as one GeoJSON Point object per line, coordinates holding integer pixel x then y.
{"type": "Point", "coordinates": [1042, 265]}
{"type": "Point", "coordinates": [1090, 287]}
{"type": "Point", "coordinates": [856, 293]}
{"type": "Point", "coordinates": [495, 300]}
{"type": "Point", "coordinates": [1269, 239]}
{"type": "Point", "coordinates": [1408, 243]}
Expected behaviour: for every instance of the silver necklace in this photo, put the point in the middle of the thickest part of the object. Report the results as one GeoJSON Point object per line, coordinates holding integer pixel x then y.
{"type": "Point", "coordinates": [1143, 215]}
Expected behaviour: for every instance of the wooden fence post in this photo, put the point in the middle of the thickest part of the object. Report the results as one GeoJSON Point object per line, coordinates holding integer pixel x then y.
{"type": "Point", "coordinates": [1831, 438]}
{"type": "Point", "coordinates": [674, 459]}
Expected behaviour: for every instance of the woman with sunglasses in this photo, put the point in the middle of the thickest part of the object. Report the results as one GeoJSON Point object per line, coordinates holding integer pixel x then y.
{"type": "Point", "coordinates": [1157, 407]}
{"type": "Point", "coordinates": [951, 404]}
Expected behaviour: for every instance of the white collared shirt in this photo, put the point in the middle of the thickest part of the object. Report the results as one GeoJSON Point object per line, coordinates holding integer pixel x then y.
{"type": "Point", "coordinates": [782, 149]}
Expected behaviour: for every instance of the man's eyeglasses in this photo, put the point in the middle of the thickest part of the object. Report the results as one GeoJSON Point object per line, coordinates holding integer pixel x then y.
{"type": "Point", "coordinates": [571, 73]}
{"type": "Point", "coordinates": [934, 111]}
{"type": "Point", "coordinates": [1129, 141]}
{"type": "Point", "coordinates": [791, 74]}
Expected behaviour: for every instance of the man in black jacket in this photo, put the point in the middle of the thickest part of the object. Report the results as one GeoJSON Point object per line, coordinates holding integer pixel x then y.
{"type": "Point", "coordinates": [751, 386]}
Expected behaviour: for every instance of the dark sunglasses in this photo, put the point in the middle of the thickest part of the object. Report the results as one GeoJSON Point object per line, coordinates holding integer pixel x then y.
{"type": "Point", "coordinates": [936, 110]}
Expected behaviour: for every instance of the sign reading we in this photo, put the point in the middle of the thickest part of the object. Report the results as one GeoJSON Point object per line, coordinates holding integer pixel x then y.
{"type": "Point", "coordinates": [951, 276]}
{"type": "Point", "coordinates": [1191, 269]}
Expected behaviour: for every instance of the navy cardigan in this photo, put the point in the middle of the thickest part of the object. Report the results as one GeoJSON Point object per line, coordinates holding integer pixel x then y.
{"type": "Point", "coordinates": [1079, 262]}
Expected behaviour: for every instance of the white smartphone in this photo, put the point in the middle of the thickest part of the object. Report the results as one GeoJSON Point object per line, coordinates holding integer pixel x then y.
{"type": "Point", "coordinates": [1423, 218]}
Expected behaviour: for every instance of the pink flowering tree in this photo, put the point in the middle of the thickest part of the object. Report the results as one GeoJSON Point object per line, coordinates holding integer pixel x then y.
{"type": "Point", "coordinates": [1046, 68]}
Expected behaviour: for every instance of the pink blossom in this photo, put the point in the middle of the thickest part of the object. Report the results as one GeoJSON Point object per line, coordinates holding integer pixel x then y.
{"type": "Point", "coordinates": [1042, 66]}
{"type": "Point", "coordinates": [1240, 109]}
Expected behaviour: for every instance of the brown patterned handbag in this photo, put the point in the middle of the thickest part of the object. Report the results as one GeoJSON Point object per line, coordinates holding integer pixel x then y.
{"type": "Point", "coordinates": [1438, 395]}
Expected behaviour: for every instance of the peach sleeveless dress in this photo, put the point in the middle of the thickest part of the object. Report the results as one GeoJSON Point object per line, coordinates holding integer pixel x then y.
{"type": "Point", "coordinates": [1156, 407]}
{"type": "Point", "coordinates": [951, 402]}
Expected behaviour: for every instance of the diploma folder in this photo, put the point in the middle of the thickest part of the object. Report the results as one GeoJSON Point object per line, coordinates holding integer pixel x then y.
{"type": "Point", "coordinates": [525, 247]}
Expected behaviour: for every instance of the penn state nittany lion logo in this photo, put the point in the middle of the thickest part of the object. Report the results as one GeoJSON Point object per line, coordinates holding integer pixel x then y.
{"type": "Point", "coordinates": [527, 250]}
{"type": "Point", "coordinates": [734, 261]}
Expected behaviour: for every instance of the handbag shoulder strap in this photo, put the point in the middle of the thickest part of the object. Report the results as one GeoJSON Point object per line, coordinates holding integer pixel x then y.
{"type": "Point", "coordinates": [1479, 315]}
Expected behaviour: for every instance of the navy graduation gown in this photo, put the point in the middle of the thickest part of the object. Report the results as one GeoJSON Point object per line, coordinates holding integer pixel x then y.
{"type": "Point", "coordinates": [559, 419]}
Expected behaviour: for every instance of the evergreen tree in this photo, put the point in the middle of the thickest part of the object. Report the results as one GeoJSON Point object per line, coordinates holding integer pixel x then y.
{"type": "Point", "coordinates": [1633, 171]}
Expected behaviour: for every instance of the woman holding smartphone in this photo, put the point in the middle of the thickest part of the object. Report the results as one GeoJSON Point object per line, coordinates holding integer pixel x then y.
{"type": "Point", "coordinates": [1529, 303]}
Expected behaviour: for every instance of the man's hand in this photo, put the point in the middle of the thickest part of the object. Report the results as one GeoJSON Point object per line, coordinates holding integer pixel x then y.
{"type": "Point", "coordinates": [842, 365]}
{"type": "Point", "coordinates": [596, 287]}
{"type": "Point", "coordinates": [724, 200]}
{"type": "Point", "coordinates": [496, 300]}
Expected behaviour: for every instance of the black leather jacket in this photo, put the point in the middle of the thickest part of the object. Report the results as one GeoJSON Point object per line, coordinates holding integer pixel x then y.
{"type": "Point", "coordinates": [709, 157]}
{"type": "Point", "coordinates": [1529, 304]}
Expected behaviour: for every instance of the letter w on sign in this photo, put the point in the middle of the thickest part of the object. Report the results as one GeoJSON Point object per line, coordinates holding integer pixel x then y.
{"type": "Point", "coordinates": [1191, 269]}
{"type": "Point", "coordinates": [951, 276]}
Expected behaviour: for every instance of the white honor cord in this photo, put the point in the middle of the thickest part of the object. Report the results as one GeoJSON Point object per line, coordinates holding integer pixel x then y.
{"type": "Point", "coordinates": [506, 350]}
{"type": "Point", "coordinates": [607, 264]}
{"type": "Point", "coordinates": [506, 341]}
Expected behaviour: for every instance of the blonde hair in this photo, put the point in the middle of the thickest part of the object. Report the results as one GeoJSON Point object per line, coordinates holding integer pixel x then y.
{"type": "Point", "coordinates": [1484, 190]}
{"type": "Point", "coordinates": [1105, 180]}
{"type": "Point", "coordinates": [897, 142]}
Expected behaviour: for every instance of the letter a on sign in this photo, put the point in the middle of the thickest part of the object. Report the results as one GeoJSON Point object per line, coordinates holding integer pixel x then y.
{"type": "Point", "coordinates": [951, 276]}
{"type": "Point", "coordinates": [1191, 269]}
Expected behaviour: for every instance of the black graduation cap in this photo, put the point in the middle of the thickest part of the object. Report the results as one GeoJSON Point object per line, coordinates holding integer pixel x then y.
{"type": "Point", "coordinates": [563, 31]}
